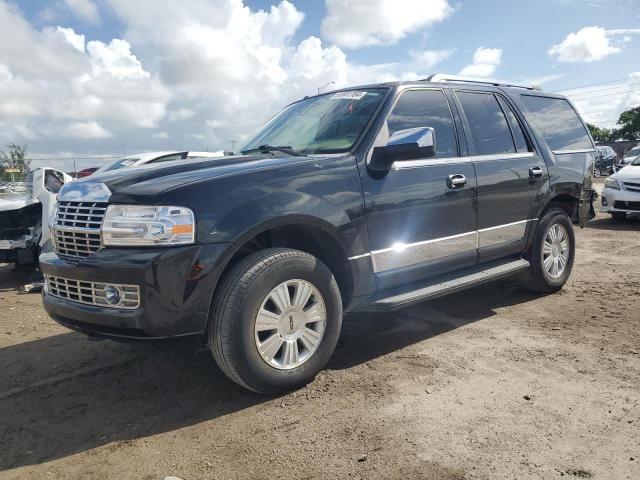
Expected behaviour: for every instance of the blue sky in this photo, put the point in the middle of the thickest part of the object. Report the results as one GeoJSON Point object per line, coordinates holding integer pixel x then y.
{"type": "Point", "coordinates": [98, 77]}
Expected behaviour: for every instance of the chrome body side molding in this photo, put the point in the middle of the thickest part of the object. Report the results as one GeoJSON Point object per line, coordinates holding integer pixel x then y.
{"type": "Point", "coordinates": [402, 255]}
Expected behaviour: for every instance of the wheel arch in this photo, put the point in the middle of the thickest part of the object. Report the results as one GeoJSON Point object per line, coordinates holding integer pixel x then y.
{"type": "Point", "coordinates": [567, 202]}
{"type": "Point", "coordinates": [300, 232]}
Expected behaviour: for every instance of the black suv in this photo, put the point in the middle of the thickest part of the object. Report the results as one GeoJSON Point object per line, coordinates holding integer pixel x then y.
{"type": "Point", "coordinates": [364, 199]}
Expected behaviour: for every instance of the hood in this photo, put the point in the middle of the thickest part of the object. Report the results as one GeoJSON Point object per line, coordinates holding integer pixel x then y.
{"type": "Point", "coordinates": [153, 179]}
{"type": "Point", "coordinates": [630, 172]}
{"type": "Point", "coordinates": [14, 201]}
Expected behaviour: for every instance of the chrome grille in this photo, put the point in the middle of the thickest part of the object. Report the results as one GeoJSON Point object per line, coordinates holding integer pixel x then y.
{"type": "Point", "coordinates": [77, 228]}
{"type": "Point", "coordinates": [91, 293]}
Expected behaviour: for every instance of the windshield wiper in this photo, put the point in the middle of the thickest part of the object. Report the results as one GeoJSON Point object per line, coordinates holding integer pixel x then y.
{"type": "Point", "coordinates": [271, 148]}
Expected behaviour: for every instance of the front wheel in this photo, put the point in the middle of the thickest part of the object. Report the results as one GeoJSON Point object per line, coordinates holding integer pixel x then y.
{"type": "Point", "coordinates": [551, 254]}
{"type": "Point", "coordinates": [276, 320]}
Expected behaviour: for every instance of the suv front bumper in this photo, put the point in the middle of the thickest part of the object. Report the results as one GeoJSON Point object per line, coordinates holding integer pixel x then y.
{"type": "Point", "coordinates": [175, 290]}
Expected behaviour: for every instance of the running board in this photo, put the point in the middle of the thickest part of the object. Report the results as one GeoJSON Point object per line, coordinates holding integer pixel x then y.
{"type": "Point", "coordinates": [450, 284]}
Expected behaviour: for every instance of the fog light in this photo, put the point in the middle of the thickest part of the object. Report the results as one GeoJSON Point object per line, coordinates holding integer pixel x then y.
{"type": "Point", "coordinates": [604, 202]}
{"type": "Point", "coordinates": [112, 295]}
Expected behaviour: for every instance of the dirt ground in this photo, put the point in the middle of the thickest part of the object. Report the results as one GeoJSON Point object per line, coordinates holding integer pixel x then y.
{"type": "Point", "coordinates": [490, 383]}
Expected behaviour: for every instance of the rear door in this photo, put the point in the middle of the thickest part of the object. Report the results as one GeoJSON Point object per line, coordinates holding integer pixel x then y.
{"type": "Point", "coordinates": [420, 224]}
{"type": "Point", "coordinates": [510, 173]}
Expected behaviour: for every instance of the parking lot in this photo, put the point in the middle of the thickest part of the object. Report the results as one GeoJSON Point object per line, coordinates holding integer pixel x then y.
{"type": "Point", "coordinates": [489, 383]}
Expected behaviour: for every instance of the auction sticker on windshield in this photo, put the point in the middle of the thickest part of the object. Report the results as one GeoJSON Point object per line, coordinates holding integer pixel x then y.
{"type": "Point", "coordinates": [349, 95]}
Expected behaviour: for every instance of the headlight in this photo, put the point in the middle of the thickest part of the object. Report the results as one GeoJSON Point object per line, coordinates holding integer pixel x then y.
{"type": "Point", "coordinates": [132, 225]}
{"type": "Point", "coordinates": [611, 183]}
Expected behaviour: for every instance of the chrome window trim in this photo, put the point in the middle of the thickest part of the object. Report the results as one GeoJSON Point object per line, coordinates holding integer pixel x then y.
{"type": "Point", "coordinates": [393, 106]}
{"type": "Point", "coordinates": [401, 164]}
{"type": "Point", "coordinates": [575, 150]}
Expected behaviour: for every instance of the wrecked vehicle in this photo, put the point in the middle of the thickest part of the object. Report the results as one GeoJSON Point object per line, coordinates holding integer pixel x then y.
{"type": "Point", "coordinates": [26, 207]}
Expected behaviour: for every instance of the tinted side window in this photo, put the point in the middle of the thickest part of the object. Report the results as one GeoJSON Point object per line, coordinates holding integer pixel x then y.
{"type": "Point", "coordinates": [488, 124]}
{"type": "Point", "coordinates": [516, 128]}
{"type": "Point", "coordinates": [557, 122]}
{"type": "Point", "coordinates": [426, 108]}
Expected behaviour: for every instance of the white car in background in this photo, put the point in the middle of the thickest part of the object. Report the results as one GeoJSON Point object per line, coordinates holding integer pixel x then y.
{"type": "Point", "coordinates": [155, 157]}
{"type": "Point", "coordinates": [25, 210]}
{"type": "Point", "coordinates": [631, 155]}
{"type": "Point", "coordinates": [621, 193]}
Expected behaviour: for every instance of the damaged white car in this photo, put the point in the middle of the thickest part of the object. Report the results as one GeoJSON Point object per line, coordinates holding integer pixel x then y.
{"type": "Point", "coordinates": [24, 208]}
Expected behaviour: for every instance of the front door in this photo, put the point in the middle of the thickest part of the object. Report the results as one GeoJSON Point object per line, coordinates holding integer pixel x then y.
{"type": "Point", "coordinates": [510, 173]}
{"type": "Point", "coordinates": [420, 214]}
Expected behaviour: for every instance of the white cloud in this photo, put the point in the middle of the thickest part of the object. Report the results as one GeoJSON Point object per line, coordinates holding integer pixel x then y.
{"type": "Point", "coordinates": [85, 10]}
{"type": "Point", "coordinates": [590, 44]}
{"type": "Point", "coordinates": [603, 104]}
{"type": "Point", "coordinates": [202, 71]}
{"type": "Point", "coordinates": [427, 59]}
{"type": "Point", "coordinates": [485, 62]}
{"type": "Point", "coordinates": [75, 40]}
{"type": "Point", "coordinates": [54, 90]}
{"type": "Point", "coordinates": [541, 80]}
{"type": "Point", "coordinates": [361, 23]}
{"type": "Point", "coordinates": [5, 74]}
{"type": "Point", "coordinates": [180, 114]}
{"type": "Point", "coordinates": [87, 130]}
{"type": "Point", "coordinates": [115, 59]}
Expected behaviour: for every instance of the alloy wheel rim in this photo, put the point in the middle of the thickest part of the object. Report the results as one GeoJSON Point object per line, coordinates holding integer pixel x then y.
{"type": "Point", "coordinates": [556, 250]}
{"type": "Point", "coordinates": [290, 324]}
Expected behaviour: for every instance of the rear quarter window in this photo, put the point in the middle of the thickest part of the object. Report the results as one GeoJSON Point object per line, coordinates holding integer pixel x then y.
{"type": "Point", "coordinates": [558, 123]}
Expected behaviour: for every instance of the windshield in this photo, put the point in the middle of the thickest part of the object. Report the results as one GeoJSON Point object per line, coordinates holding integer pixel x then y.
{"type": "Point", "coordinates": [635, 151]}
{"type": "Point", "coordinates": [328, 123]}
{"type": "Point", "coordinates": [122, 163]}
{"type": "Point", "coordinates": [636, 162]}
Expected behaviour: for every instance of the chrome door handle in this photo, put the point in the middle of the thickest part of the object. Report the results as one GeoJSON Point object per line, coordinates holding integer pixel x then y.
{"type": "Point", "coordinates": [535, 172]}
{"type": "Point", "coordinates": [456, 180]}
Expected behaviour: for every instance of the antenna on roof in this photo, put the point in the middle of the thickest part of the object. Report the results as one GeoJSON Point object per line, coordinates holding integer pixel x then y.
{"type": "Point", "coordinates": [443, 77]}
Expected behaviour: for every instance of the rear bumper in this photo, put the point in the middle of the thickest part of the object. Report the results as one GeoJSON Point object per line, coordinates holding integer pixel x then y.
{"type": "Point", "coordinates": [176, 287]}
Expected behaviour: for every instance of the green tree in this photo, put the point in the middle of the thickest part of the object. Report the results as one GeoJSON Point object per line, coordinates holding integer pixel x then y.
{"type": "Point", "coordinates": [601, 134]}
{"type": "Point", "coordinates": [629, 122]}
{"type": "Point", "coordinates": [15, 157]}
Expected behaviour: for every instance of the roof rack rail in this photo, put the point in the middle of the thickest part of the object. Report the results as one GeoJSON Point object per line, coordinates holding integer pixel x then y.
{"type": "Point", "coordinates": [443, 77]}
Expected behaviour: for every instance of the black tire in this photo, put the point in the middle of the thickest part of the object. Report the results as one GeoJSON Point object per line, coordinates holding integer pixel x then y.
{"type": "Point", "coordinates": [618, 216]}
{"type": "Point", "coordinates": [238, 299]}
{"type": "Point", "coordinates": [537, 279]}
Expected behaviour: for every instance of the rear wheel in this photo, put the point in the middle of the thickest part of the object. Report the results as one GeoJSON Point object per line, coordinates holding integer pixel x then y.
{"type": "Point", "coordinates": [276, 320]}
{"type": "Point", "coordinates": [551, 254]}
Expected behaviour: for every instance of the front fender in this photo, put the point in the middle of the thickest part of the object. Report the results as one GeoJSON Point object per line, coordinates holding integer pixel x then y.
{"type": "Point", "coordinates": [247, 220]}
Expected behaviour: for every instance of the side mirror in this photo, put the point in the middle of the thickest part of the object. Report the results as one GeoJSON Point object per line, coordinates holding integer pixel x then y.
{"type": "Point", "coordinates": [407, 144]}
